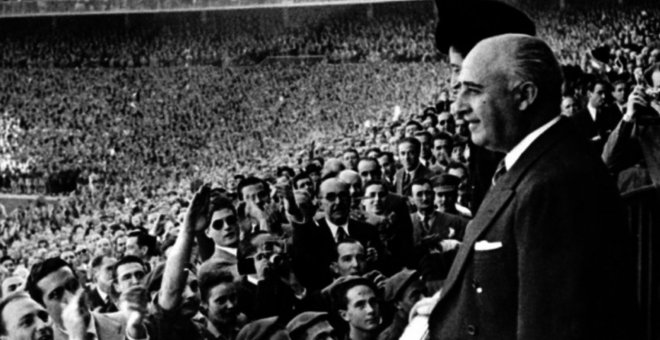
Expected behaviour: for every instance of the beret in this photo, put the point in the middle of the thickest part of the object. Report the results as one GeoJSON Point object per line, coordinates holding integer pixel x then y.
{"type": "Point", "coordinates": [263, 329]}
{"type": "Point", "coordinates": [463, 23]}
{"type": "Point", "coordinates": [303, 321]}
{"type": "Point", "coordinates": [397, 283]}
{"type": "Point", "coordinates": [445, 182]}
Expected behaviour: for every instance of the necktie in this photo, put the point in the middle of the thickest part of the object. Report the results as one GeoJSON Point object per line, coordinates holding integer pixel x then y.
{"type": "Point", "coordinates": [499, 172]}
{"type": "Point", "coordinates": [341, 234]}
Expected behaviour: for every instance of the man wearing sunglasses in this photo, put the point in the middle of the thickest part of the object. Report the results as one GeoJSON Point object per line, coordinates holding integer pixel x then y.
{"type": "Point", "coordinates": [53, 284]}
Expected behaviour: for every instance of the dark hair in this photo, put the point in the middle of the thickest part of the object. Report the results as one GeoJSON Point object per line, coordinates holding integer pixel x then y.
{"type": "Point", "coordinates": [414, 122]}
{"type": "Point", "coordinates": [424, 133]}
{"type": "Point", "coordinates": [375, 182]}
{"type": "Point", "coordinates": [299, 177]}
{"type": "Point", "coordinates": [282, 169]}
{"type": "Point", "coordinates": [444, 136]}
{"type": "Point", "coordinates": [340, 300]}
{"type": "Point", "coordinates": [144, 240]}
{"type": "Point", "coordinates": [591, 85]}
{"type": "Point", "coordinates": [433, 116]}
{"type": "Point", "coordinates": [370, 150]}
{"type": "Point", "coordinates": [4, 302]}
{"type": "Point", "coordinates": [421, 181]}
{"type": "Point", "coordinates": [248, 182]}
{"type": "Point", "coordinates": [211, 274]}
{"type": "Point", "coordinates": [125, 260]}
{"type": "Point", "coordinates": [5, 258]}
{"type": "Point", "coordinates": [97, 261]}
{"type": "Point", "coordinates": [41, 270]}
{"type": "Point", "coordinates": [388, 154]}
{"type": "Point", "coordinates": [412, 141]}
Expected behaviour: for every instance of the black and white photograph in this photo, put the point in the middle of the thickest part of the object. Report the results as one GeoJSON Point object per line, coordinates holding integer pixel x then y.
{"type": "Point", "coordinates": [329, 169]}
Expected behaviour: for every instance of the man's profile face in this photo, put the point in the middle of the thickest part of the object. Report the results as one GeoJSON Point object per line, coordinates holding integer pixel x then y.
{"type": "Point", "coordinates": [408, 156]}
{"type": "Point", "coordinates": [335, 200]}
{"type": "Point", "coordinates": [568, 107]}
{"type": "Point", "coordinates": [129, 275]}
{"type": "Point", "coordinates": [224, 228]}
{"type": "Point", "coordinates": [369, 170]}
{"type": "Point", "coordinates": [120, 246]}
{"type": "Point", "coordinates": [387, 165]}
{"type": "Point", "coordinates": [413, 293]}
{"type": "Point", "coordinates": [57, 289]}
{"type": "Point", "coordinates": [425, 142]}
{"type": "Point", "coordinates": [597, 96]}
{"type": "Point", "coordinates": [222, 304]}
{"type": "Point", "coordinates": [410, 130]}
{"type": "Point", "coordinates": [132, 247]}
{"type": "Point", "coordinates": [619, 93]}
{"type": "Point", "coordinates": [422, 196]}
{"type": "Point", "coordinates": [363, 311]}
{"type": "Point", "coordinates": [486, 100]}
{"type": "Point", "coordinates": [455, 63]}
{"type": "Point", "coordinates": [104, 274]}
{"type": "Point", "coordinates": [25, 319]}
{"type": "Point", "coordinates": [257, 193]}
{"type": "Point", "coordinates": [445, 201]}
{"type": "Point", "coordinates": [350, 260]}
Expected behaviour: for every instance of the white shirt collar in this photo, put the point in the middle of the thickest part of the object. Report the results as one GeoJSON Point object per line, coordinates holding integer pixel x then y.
{"type": "Point", "coordinates": [334, 227]}
{"type": "Point", "coordinates": [592, 111]}
{"type": "Point", "coordinates": [227, 249]}
{"type": "Point", "coordinates": [103, 295]}
{"type": "Point", "coordinates": [512, 156]}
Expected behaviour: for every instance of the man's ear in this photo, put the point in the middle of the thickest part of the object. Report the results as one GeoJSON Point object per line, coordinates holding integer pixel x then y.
{"type": "Point", "coordinates": [343, 314]}
{"type": "Point", "coordinates": [207, 232]}
{"type": "Point", "coordinates": [334, 268]}
{"type": "Point", "coordinates": [527, 95]}
{"type": "Point", "coordinates": [144, 250]}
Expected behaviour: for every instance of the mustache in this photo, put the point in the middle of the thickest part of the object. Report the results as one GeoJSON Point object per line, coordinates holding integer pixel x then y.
{"type": "Point", "coordinates": [45, 334]}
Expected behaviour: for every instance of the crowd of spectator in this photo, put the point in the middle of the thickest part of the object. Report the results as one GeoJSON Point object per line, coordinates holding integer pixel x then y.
{"type": "Point", "coordinates": [224, 170]}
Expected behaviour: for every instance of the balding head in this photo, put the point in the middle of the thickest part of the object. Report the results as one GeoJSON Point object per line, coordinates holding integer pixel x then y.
{"type": "Point", "coordinates": [352, 178]}
{"type": "Point", "coordinates": [509, 86]}
{"type": "Point", "coordinates": [335, 200]}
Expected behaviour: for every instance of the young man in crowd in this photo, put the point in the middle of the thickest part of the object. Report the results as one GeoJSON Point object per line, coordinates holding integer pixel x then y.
{"type": "Point", "coordinates": [356, 302]}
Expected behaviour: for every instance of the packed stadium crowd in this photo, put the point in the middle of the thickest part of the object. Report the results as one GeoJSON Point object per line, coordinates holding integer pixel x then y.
{"type": "Point", "coordinates": [187, 191]}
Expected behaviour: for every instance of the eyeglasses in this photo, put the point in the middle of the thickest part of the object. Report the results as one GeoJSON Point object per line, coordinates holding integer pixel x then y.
{"type": "Point", "coordinates": [333, 196]}
{"type": "Point", "coordinates": [220, 223]}
{"type": "Point", "coordinates": [443, 122]}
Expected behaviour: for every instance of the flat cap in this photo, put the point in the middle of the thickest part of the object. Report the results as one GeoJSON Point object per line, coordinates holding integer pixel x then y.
{"type": "Point", "coordinates": [303, 321]}
{"type": "Point", "coordinates": [263, 329]}
{"type": "Point", "coordinates": [397, 284]}
{"type": "Point", "coordinates": [337, 289]}
{"type": "Point", "coordinates": [463, 23]}
{"type": "Point", "coordinates": [445, 182]}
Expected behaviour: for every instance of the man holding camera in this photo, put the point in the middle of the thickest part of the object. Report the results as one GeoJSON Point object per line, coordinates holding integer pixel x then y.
{"type": "Point", "coordinates": [632, 141]}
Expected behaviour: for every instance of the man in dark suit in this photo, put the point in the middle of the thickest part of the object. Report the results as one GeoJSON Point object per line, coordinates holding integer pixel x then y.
{"type": "Point", "coordinates": [598, 119]}
{"type": "Point", "coordinates": [409, 150]}
{"type": "Point", "coordinates": [98, 294]}
{"type": "Point", "coordinates": [537, 261]}
{"type": "Point", "coordinates": [314, 243]}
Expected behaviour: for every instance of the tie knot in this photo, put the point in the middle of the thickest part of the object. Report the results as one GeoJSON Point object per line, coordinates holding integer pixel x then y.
{"type": "Point", "coordinates": [499, 171]}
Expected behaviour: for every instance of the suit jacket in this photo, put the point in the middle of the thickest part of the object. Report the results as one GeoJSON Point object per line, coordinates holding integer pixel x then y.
{"type": "Point", "coordinates": [439, 223]}
{"type": "Point", "coordinates": [314, 249]}
{"type": "Point", "coordinates": [538, 261]}
{"type": "Point", "coordinates": [95, 301]}
{"type": "Point", "coordinates": [108, 327]}
{"type": "Point", "coordinates": [597, 131]}
{"type": "Point", "coordinates": [405, 189]}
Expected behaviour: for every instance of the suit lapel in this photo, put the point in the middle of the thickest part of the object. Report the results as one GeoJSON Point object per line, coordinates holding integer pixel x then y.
{"type": "Point", "coordinates": [499, 196]}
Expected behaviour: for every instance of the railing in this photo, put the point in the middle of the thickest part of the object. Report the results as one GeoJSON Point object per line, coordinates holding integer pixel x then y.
{"type": "Point", "coordinates": [643, 214]}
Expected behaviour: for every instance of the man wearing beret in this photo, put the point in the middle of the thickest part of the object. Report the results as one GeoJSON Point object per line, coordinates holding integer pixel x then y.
{"type": "Point", "coordinates": [311, 326]}
{"type": "Point", "coordinates": [402, 290]}
{"type": "Point", "coordinates": [537, 260]}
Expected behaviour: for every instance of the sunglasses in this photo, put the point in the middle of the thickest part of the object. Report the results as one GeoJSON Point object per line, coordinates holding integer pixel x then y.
{"type": "Point", "coordinates": [220, 223]}
{"type": "Point", "coordinates": [333, 196]}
